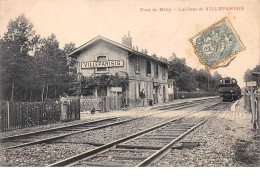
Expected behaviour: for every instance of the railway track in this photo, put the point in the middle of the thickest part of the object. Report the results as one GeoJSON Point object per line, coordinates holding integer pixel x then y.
{"type": "Point", "coordinates": [60, 132]}
{"type": "Point", "coordinates": [141, 148]}
{"type": "Point", "coordinates": [53, 134]}
{"type": "Point", "coordinates": [14, 137]}
{"type": "Point", "coordinates": [49, 135]}
{"type": "Point", "coordinates": [46, 151]}
{"type": "Point", "coordinates": [183, 104]}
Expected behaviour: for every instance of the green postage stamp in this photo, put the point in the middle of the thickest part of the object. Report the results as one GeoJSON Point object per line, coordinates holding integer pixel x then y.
{"type": "Point", "coordinates": [217, 45]}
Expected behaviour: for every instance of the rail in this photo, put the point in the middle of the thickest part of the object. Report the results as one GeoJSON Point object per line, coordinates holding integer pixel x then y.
{"type": "Point", "coordinates": [74, 159]}
{"type": "Point", "coordinates": [53, 130]}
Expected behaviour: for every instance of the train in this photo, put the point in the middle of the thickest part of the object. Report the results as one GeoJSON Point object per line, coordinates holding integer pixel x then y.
{"type": "Point", "coordinates": [228, 89]}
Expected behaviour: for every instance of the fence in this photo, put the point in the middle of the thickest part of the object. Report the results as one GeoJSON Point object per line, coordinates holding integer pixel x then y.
{"type": "Point", "coordinates": [247, 102]}
{"type": "Point", "coordinates": [113, 103]}
{"type": "Point", "coordinates": [18, 115]}
{"type": "Point", "coordinates": [73, 111]}
{"type": "Point", "coordinates": [4, 115]}
{"type": "Point", "coordinates": [182, 95]}
{"type": "Point", "coordinates": [253, 106]}
{"type": "Point", "coordinates": [258, 111]}
{"type": "Point", "coordinates": [103, 104]}
{"type": "Point", "coordinates": [88, 104]}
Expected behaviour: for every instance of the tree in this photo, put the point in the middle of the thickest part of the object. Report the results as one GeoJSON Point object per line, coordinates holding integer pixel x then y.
{"type": "Point", "coordinates": [72, 62]}
{"type": "Point", "coordinates": [31, 65]}
{"type": "Point", "coordinates": [53, 67]}
{"type": "Point", "coordinates": [203, 79]}
{"type": "Point", "coordinates": [188, 79]}
{"type": "Point", "coordinates": [181, 73]}
{"type": "Point", "coordinates": [17, 47]}
{"type": "Point", "coordinates": [187, 82]}
{"type": "Point", "coordinates": [248, 74]}
{"type": "Point", "coordinates": [215, 80]}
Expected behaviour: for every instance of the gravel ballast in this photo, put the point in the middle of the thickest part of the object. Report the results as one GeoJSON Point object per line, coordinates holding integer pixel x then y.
{"type": "Point", "coordinates": [45, 154]}
{"type": "Point", "coordinates": [43, 127]}
{"type": "Point", "coordinates": [42, 154]}
{"type": "Point", "coordinates": [221, 139]}
{"type": "Point", "coordinates": [49, 153]}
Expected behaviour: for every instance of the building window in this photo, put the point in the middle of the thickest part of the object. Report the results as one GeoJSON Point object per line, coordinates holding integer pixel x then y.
{"type": "Point", "coordinates": [137, 64]}
{"type": "Point", "coordinates": [163, 72]}
{"type": "Point", "coordinates": [156, 69]}
{"type": "Point", "coordinates": [148, 67]}
{"type": "Point", "coordinates": [137, 90]}
{"type": "Point", "coordinates": [101, 58]}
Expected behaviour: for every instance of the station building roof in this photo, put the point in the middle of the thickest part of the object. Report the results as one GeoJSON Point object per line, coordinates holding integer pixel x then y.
{"type": "Point", "coordinates": [98, 38]}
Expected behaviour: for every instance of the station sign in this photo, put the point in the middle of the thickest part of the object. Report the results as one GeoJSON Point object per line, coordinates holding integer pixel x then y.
{"type": "Point", "coordinates": [251, 84]}
{"type": "Point", "coordinates": [102, 64]}
{"type": "Point", "coordinates": [116, 89]}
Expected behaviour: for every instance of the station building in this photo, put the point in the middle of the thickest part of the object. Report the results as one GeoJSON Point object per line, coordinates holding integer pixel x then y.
{"type": "Point", "coordinates": [147, 74]}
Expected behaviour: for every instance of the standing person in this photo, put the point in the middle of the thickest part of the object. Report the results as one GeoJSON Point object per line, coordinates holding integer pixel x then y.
{"type": "Point", "coordinates": [142, 95]}
{"type": "Point", "coordinates": [64, 107]}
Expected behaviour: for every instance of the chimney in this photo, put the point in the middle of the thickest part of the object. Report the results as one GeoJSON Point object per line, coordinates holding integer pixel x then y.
{"type": "Point", "coordinates": [136, 48]}
{"type": "Point", "coordinates": [127, 40]}
{"type": "Point", "coordinates": [144, 51]}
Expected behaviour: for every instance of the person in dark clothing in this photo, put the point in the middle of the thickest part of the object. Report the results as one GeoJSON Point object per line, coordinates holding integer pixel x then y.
{"type": "Point", "coordinates": [142, 96]}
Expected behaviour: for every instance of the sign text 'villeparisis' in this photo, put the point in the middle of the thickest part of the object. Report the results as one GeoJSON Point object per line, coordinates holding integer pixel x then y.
{"type": "Point", "coordinates": [100, 64]}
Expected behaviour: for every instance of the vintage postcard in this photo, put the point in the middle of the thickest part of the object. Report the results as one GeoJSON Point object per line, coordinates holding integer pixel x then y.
{"type": "Point", "coordinates": [110, 83]}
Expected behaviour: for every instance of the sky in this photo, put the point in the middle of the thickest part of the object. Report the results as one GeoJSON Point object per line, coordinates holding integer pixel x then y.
{"type": "Point", "coordinates": [161, 32]}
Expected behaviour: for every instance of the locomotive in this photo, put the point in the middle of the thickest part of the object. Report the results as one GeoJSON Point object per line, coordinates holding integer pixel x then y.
{"type": "Point", "coordinates": [228, 89]}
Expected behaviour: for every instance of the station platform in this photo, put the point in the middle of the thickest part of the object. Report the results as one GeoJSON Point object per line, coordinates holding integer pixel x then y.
{"type": "Point", "coordinates": [136, 111]}
{"type": "Point", "coordinates": [241, 119]}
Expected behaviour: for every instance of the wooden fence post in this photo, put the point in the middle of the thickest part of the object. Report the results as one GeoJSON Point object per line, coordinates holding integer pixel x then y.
{"type": "Point", "coordinates": [78, 109]}
{"type": "Point", "coordinates": [253, 108]}
{"type": "Point", "coordinates": [2, 116]}
{"type": "Point", "coordinates": [107, 103]}
{"type": "Point", "coordinates": [258, 112]}
{"type": "Point", "coordinates": [8, 115]}
{"type": "Point", "coordinates": [116, 101]}
{"type": "Point", "coordinates": [102, 104]}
